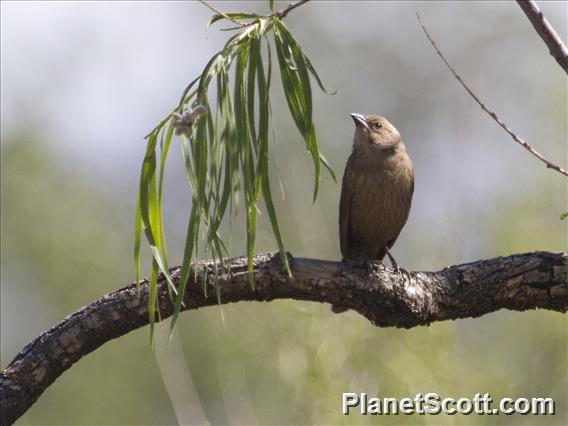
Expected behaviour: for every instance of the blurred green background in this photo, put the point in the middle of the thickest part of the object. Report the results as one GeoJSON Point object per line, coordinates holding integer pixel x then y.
{"type": "Point", "coordinates": [83, 82]}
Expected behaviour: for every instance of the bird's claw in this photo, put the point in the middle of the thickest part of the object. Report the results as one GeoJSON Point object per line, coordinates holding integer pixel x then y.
{"type": "Point", "coordinates": [364, 265]}
{"type": "Point", "coordinates": [403, 272]}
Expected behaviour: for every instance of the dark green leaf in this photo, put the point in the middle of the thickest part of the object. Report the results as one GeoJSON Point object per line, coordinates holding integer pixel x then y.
{"type": "Point", "coordinates": [226, 152]}
{"type": "Point", "coordinates": [192, 230]}
{"type": "Point", "coordinates": [263, 172]}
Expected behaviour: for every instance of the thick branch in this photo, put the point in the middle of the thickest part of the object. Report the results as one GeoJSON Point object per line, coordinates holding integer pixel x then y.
{"type": "Point", "coordinates": [386, 298]}
{"type": "Point", "coordinates": [541, 25]}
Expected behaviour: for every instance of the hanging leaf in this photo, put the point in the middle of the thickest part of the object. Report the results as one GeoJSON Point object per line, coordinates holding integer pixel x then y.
{"type": "Point", "coordinates": [225, 148]}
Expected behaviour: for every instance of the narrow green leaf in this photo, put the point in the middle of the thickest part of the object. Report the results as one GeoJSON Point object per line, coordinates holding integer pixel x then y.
{"type": "Point", "coordinates": [248, 148]}
{"type": "Point", "coordinates": [152, 300]}
{"type": "Point", "coordinates": [263, 173]}
{"type": "Point", "coordinates": [295, 69]}
{"type": "Point", "coordinates": [206, 75]}
{"type": "Point", "coordinates": [200, 153]}
{"type": "Point", "coordinates": [236, 16]}
{"type": "Point", "coordinates": [298, 94]}
{"type": "Point", "coordinates": [192, 228]}
{"type": "Point", "coordinates": [189, 172]}
{"type": "Point", "coordinates": [314, 73]}
{"type": "Point", "coordinates": [165, 148]}
{"type": "Point", "coordinates": [328, 167]}
{"type": "Point", "coordinates": [147, 181]}
{"type": "Point", "coordinates": [314, 151]}
{"type": "Point", "coordinates": [239, 96]}
{"type": "Point", "coordinates": [248, 32]}
{"type": "Point", "coordinates": [251, 238]}
{"type": "Point", "coordinates": [149, 207]}
{"type": "Point", "coordinates": [254, 47]}
{"type": "Point", "coordinates": [264, 24]}
{"type": "Point", "coordinates": [183, 99]}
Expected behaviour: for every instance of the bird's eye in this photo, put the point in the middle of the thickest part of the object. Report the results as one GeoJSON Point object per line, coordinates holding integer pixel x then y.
{"type": "Point", "coordinates": [376, 125]}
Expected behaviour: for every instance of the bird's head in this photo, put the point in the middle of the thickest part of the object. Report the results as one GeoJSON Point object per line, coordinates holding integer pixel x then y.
{"type": "Point", "coordinates": [374, 132]}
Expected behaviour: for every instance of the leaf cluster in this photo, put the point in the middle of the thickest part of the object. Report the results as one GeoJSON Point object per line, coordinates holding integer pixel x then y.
{"type": "Point", "coordinates": [226, 152]}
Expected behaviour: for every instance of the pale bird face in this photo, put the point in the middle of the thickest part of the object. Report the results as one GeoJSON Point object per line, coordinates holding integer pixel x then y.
{"type": "Point", "coordinates": [374, 131]}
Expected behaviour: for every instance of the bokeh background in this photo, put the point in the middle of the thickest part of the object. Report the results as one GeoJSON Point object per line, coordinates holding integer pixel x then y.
{"type": "Point", "coordinates": [82, 83]}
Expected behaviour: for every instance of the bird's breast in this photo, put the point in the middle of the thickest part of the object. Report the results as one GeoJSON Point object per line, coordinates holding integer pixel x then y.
{"type": "Point", "coordinates": [381, 201]}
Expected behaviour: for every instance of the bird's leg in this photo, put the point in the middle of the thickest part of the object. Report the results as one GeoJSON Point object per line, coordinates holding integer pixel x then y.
{"type": "Point", "coordinates": [365, 262]}
{"type": "Point", "coordinates": [371, 263]}
{"type": "Point", "coordinates": [395, 265]}
{"type": "Point", "coordinates": [392, 261]}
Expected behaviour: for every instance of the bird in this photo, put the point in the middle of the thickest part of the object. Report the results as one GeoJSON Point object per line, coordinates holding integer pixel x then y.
{"type": "Point", "coordinates": [376, 192]}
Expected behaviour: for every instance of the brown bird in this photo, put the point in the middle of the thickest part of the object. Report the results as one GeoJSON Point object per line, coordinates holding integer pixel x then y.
{"type": "Point", "coordinates": [376, 193]}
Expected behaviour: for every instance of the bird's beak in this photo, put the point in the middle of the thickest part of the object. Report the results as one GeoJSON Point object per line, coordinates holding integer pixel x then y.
{"type": "Point", "coordinates": [359, 119]}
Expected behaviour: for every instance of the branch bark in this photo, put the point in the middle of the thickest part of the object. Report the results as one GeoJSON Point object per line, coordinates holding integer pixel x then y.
{"type": "Point", "coordinates": [546, 32]}
{"type": "Point", "coordinates": [282, 13]}
{"type": "Point", "coordinates": [519, 282]}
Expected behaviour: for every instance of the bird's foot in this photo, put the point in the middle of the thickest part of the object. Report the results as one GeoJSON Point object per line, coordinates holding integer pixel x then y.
{"type": "Point", "coordinates": [377, 265]}
{"type": "Point", "coordinates": [395, 266]}
{"type": "Point", "coordinates": [405, 274]}
{"type": "Point", "coordinates": [365, 266]}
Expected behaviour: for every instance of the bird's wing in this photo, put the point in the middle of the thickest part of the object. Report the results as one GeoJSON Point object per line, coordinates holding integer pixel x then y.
{"type": "Point", "coordinates": [344, 213]}
{"type": "Point", "coordinates": [390, 243]}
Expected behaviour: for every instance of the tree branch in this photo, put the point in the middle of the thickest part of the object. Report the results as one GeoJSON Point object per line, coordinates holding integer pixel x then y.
{"type": "Point", "coordinates": [224, 15]}
{"type": "Point", "coordinates": [282, 13]}
{"type": "Point", "coordinates": [518, 282]}
{"type": "Point", "coordinates": [516, 138]}
{"type": "Point", "coordinates": [543, 28]}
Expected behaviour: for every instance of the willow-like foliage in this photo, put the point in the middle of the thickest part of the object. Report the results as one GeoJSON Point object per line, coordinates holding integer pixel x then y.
{"type": "Point", "coordinates": [225, 146]}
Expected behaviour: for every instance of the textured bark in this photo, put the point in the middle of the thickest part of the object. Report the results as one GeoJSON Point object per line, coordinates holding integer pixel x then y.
{"type": "Point", "coordinates": [518, 282]}
{"type": "Point", "coordinates": [543, 28]}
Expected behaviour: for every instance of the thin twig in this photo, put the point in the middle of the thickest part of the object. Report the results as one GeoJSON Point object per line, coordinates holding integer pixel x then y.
{"type": "Point", "coordinates": [240, 24]}
{"type": "Point", "coordinates": [516, 138]}
{"type": "Point", "coordinates": [543, 28]}
{"type": "Point", "coordinates": [281, 14]}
